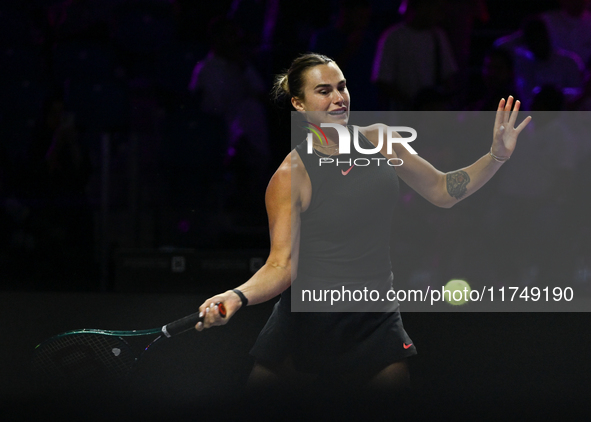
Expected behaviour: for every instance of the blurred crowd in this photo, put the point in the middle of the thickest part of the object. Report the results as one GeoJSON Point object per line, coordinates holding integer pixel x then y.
{"type": "Point", "coordinates": [155, 115]}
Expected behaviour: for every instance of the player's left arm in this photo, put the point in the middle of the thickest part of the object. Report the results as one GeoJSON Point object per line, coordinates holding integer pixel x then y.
{"type": "Point", "coordinates": [447, 189]}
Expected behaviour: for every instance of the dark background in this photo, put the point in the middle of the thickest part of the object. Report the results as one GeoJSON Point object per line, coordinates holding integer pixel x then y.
{"type": "Point", "coordinates": [121, 231]}
{"type": "Point", "coordinates": [470, 366]}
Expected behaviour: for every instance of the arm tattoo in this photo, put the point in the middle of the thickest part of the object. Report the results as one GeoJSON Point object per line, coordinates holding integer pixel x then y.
{"type": "Point", "coordinates": [456, 183]}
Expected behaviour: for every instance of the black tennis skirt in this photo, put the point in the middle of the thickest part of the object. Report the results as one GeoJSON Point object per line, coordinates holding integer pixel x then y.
{"type": "Point", "coordinates": [332, 342]}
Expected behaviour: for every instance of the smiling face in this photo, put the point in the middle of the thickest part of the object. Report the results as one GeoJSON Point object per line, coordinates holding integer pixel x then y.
{"type": "Point", "coordinates": [326, 98]}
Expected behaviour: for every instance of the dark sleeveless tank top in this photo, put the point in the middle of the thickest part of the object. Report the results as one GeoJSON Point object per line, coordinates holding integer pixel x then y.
{"type": "Point", "coordinates": [344, 241]}
{"type": "Point", "coordinates": [345, 232]}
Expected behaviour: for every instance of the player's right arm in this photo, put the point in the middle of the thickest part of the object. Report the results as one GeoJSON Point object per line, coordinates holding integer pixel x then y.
{"type": "Point", "coordinates": [287, 195]}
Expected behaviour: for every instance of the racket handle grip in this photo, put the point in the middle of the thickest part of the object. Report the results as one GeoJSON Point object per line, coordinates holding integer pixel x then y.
{"type": "Point", "coordinates": [186, 323]}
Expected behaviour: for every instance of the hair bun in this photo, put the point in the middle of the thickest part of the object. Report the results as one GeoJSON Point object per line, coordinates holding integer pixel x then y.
{"type": "Point", "coordinates": [281, 88]}
{"type": "Point", "coordinates": [284, 84]}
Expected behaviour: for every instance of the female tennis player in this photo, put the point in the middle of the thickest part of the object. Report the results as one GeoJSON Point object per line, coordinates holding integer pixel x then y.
{"type": "Point", "coordinates": [328, 226]}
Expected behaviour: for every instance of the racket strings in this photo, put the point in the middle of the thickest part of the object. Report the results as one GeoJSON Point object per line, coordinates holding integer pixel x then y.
{"type": "Point", "coordinates": [79, 356]}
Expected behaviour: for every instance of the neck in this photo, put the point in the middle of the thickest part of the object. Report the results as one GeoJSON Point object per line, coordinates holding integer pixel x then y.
{"type": "Point", "coordinates": [332, 137]}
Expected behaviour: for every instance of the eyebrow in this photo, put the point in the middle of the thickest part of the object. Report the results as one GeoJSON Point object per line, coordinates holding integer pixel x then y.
{"type": "Point", "coordinates": [328, 85]}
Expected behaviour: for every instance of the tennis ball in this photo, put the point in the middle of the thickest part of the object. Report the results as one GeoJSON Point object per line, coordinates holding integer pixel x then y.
{"type": "Point", "coordinates": [459, 292]}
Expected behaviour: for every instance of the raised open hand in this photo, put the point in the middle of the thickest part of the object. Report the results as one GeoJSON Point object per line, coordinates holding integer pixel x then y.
{"type": "Point", "coordinates": [505, 133]}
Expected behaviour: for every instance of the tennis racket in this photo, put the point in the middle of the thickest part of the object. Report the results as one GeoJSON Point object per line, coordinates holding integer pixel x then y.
{"type": "Point", "coordinates": [100, 354]}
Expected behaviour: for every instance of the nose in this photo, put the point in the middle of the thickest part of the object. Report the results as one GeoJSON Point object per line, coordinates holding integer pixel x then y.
{"type": "Point", "coordinates": [338, 97]}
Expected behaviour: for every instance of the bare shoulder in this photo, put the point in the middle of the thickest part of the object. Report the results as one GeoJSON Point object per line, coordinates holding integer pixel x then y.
{"type": "Point", "coordinates": [290, 181]}
{"type": "Point", "coordinates": [281, 180]}
{"type": "Point", "coordinates": [290, 168]}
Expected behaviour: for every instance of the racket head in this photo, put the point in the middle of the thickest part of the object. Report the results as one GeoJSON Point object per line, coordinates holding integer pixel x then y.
{"type": "Point", "coordinates": [82, 356]}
